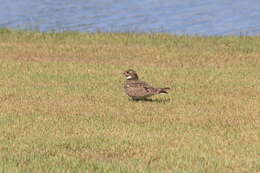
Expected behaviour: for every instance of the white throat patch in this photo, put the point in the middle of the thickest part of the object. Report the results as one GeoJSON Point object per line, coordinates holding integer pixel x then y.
{"type": "Point", "coordinates": [129, 77]}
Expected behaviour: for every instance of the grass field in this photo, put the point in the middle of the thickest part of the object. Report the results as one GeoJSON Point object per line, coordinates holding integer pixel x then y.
{"type": "Point", "coordinates": [63, 109]}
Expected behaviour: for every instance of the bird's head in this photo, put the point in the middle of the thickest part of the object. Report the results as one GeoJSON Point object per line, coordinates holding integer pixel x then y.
{"type": "Point", "coordinates": [131, 75]}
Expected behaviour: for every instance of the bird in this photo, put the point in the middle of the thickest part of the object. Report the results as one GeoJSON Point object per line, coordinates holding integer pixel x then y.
{"type": "Point", "coordinates": [139, 90]}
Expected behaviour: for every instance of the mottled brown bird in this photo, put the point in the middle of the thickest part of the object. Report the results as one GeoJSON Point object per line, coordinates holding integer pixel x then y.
{"type": "Point", "coordinates": [139, 90]}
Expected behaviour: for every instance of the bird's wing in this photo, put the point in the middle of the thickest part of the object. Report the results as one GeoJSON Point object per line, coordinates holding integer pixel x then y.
{"type": "Point", "coordinates": [140, 88]}
{"type": "Point", "coordinates": [141, 84]}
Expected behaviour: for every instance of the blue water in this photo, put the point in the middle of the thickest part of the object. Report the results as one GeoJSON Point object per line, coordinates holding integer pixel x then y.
{"type": "Point", "coordinates": [200, 17]}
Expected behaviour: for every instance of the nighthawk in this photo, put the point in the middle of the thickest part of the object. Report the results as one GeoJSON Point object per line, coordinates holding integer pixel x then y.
{"type": "Point", "coordinates": [139, 90]}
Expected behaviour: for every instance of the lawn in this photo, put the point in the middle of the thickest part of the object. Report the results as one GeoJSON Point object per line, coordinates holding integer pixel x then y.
{"type": "Point", "coordinates": [63, 108]}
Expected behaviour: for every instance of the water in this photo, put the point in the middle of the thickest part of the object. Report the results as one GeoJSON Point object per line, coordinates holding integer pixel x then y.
{"type": "Point", "coordinates": [201, 17]}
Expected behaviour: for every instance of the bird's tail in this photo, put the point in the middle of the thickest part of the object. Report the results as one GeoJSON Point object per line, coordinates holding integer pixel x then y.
{"type": "Point", "coordinates": [163, 90]}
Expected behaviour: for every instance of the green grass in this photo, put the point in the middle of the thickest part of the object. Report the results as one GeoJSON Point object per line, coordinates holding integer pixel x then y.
{"type": "Point", "coordinates": [63, 109]}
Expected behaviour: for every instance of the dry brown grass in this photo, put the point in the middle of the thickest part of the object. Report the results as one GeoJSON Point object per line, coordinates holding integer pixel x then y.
{"type": "Point", "coordinates": [63, 107]}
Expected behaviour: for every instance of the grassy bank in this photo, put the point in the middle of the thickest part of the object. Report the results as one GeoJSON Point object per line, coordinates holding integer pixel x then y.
{"type": "Point", "coordinates": [63, 108]}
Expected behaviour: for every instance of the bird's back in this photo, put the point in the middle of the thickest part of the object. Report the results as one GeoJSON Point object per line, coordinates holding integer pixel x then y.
{"type": "Point", "coordinates": [138, 89]}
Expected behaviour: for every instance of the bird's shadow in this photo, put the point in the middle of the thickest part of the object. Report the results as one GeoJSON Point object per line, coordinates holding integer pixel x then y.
{"type": "Point", "coordinates": [152, 100]}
